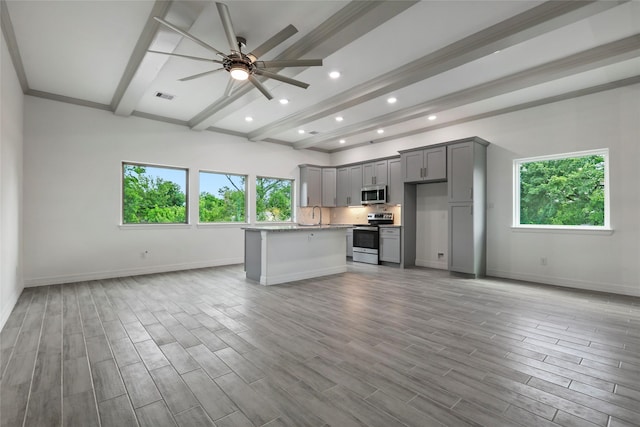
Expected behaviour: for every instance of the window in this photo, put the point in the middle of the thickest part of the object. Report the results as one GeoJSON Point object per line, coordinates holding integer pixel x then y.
{"type": "Point", "coordinates": [273, 199]}
{"type": "Point", "coordinates": [222, 197]}
{"type": "Point", "coordinates": [153, 194]}
{"type": "Point", "coordinates": [562, 191]}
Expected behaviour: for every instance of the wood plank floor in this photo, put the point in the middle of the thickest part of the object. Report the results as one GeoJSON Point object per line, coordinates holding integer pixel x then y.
{"type": "Point", "coordinates": [376, 346]}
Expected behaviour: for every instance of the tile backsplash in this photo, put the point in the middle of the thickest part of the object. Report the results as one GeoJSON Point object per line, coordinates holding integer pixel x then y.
{"type": "Point", "coordinates": [350, 215]}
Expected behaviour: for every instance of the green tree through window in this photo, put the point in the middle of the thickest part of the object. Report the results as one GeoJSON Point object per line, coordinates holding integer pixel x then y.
{"type": "Point", "coordinates": [153, 195]}
{"type": "Point", "coordinates": [563, 191]}
{"type": "Point", "coordinates": [273, 199]}
{"type": "Point", "coordinates": [222, 197]}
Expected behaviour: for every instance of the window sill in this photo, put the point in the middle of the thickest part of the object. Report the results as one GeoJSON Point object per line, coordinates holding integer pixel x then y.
{"type": "Point", "coordinates": [221, 224]}
{"type": "Point", "coordinates": [604, 231]}
{"type": "Point", "coordinates": [152, 226]}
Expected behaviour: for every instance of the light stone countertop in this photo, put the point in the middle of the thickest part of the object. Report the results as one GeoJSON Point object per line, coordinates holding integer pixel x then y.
{"type": "Point", "coordinates": [296, 227]}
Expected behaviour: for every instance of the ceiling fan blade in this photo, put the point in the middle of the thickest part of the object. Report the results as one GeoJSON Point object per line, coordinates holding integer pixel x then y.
{"type": "Point", "coordinates": [197, 58]}
{"type": "Point", "coordinates": [227, 91]}
{"type": "Point", "coordinates": [225, 17]}
{"type": "Point", "coordinates": [197, 76]}
{"type": "Point", "coordinates": [187, 35]}
{"type": "Point", "coordinates": [289, 63]}
{"type": "Point", "coordinates": [274, 41]}
{"type": "Point", "coordinates": [283, 79]}
{"type": "Point", "coordinates": [260, 87]}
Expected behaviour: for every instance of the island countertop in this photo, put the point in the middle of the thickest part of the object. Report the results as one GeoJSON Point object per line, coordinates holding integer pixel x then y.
{"type": "Point", "coordinates": [296, 227]}
{"type": "Point", "coordinates": [284, 253]}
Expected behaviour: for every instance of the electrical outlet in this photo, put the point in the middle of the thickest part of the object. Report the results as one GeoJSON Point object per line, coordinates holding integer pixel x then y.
{"type": "Point", "coordinates": [543, 260]}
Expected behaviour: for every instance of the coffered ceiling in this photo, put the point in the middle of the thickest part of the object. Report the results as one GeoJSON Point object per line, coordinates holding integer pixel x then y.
{"type": "Point", "coordinates": [455, 60]}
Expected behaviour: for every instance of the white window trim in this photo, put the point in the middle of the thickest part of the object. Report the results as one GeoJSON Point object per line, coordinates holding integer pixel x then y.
{"type": "Point", "coordinates": [604, 152]}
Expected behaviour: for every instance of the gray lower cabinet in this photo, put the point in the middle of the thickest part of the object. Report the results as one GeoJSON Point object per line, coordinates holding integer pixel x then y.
{"type": "Point", "coordinates": [350, 242]}
{"type": "Point", "coordinates": [390, 244]}
{"type": "Point", "coordinates": [461, 239]}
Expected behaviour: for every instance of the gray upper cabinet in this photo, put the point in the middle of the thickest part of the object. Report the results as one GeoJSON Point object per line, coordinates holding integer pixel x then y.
{"type": "Point", "coordinates": [461, 172]}
{"type": "Point", "coordinates": [329, 187]}
{"type": "Point", "coordinates": [348, 185]}
{"type": "Point", "coordinates": [395, 183]}
{"type": "Point", "coordinates": [375, 173]}
{"type": "Point", "coordinates": [427, 165]}
{"type": "Point", "coordinates": [310, 186]}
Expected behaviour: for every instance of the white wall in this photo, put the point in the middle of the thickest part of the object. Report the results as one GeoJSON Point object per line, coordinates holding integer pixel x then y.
{"type": "Point", "coordinates": [11, 143]}
{"type": "Point", "coordinates": [73, 158]}
{"type": "Point", "coordinates": [607, 262]}
{"type": "Point", "coordinates": [432, 219]}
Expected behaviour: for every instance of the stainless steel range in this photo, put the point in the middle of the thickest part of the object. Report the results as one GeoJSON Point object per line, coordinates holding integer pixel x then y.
{"type": "Point", "coordinates": [366, 238]}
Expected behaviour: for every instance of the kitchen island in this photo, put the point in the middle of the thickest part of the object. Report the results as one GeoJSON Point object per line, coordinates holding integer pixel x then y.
{"type": "Point", "coordinates": [284, 253]}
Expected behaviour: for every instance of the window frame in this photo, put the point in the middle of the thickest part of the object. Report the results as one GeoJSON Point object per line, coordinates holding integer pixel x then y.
{"type": "Point", "coordinates": [604, 152]}
{"type": "Point", "coordinates": [246, 200]}
{"type": "Point", "coordinates": [186, 222]}
{"type": "Point", "coordinates": [292, 197]}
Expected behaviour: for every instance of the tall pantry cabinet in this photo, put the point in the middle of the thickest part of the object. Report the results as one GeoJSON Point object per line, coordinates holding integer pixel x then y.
{"type": "Point", "coordinates": [466, 188]}
{"type": "Point", "coordinates": [462, 164]}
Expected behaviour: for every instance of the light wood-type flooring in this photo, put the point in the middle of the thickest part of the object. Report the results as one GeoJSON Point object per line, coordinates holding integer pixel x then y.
{"type": "Point", "coordinates": [376, 346]}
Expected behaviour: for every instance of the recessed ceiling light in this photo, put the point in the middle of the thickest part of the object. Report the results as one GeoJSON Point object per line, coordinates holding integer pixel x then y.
{"type": "Point", "coordinates": [284, 101]}
{"type": "Point", "coordinates": [380, 131]}
{"type": "Point", "coordinates": [334, 74]}
{"type": "Point", "coordinates": [300, 131]}
{"type": "Point", "coordinates": [391, 100]}
{"type": "Point", "coordinates": [339, 119]}
{"type": "Point", "coordinates": [432, 117]}
{"type": "Point", "coordinates": [342, 141]}
{"type": "Point", "coordinates": [497, 51]}
{"type": "Point", "coordinates": [248, 119]}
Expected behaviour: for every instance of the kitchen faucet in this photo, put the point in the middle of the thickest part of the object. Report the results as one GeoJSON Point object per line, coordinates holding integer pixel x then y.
{"type": "Point", "coordinates": [313, 213]}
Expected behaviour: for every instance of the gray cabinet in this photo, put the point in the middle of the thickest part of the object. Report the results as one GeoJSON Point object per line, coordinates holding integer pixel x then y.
{"type": "Point", "coordinates": [427, 165]}
{"type": "Point", "coordinates": [329, 187]}
{"type": "Point", "coordinates": [466, 189]}
{"type": "Point", "coordinates": [350, 242]}
{"type": "Point", "coordinates": [310, 186]}
{"type": "Point", "coordinates": [348, 185]}
{"type": "Point", "coordinates": [461, 169]}
{"type": "Point", "coordinates": [390, 244]}
{"type": "Point", "coordinates": [374, 173]}
{"type": "Point", "coordinates": [395, 183]}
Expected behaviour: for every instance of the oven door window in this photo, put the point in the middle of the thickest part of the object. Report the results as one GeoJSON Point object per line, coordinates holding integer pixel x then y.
{"type": "Point", "coordinates": [365, 239]}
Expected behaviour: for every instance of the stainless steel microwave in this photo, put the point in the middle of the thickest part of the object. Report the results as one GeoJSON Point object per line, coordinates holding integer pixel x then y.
{"type": "Point", "coordinates": [373, 194]}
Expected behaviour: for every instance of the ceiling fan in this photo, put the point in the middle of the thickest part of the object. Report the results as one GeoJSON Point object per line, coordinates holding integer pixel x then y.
{"type": "Point", "coordinates": [244, 66]}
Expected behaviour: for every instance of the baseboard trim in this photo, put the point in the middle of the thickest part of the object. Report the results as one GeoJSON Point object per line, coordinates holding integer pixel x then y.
{"type": "Point", "coordinates": [440, 265]}
{"type": "Point", "coordinates": [99, 275]}
{"type": "Point", "coordinates": [292, 277]}
{"type": "Point", "coordinates": [613, 288]}
{"type": "Point", "coordinates": [7, 307]}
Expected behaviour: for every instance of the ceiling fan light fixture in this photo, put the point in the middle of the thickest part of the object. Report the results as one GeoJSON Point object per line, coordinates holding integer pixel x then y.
{"type": "Point", "coordinates": [239, 72]}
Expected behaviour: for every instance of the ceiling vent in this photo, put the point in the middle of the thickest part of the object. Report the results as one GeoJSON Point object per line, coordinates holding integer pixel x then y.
{"type": "Point", "coordinates": [164, 96]}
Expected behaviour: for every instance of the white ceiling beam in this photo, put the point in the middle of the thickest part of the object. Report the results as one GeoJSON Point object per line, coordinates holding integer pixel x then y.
{"type": "Point", "coordinates": [596, 57]}
{"type": "Point", "coordinates": [142, 68]}
{"type": "Point", "coordinates": [541, 19]}
{"type": "Point", "coordinates": [351, 22]}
